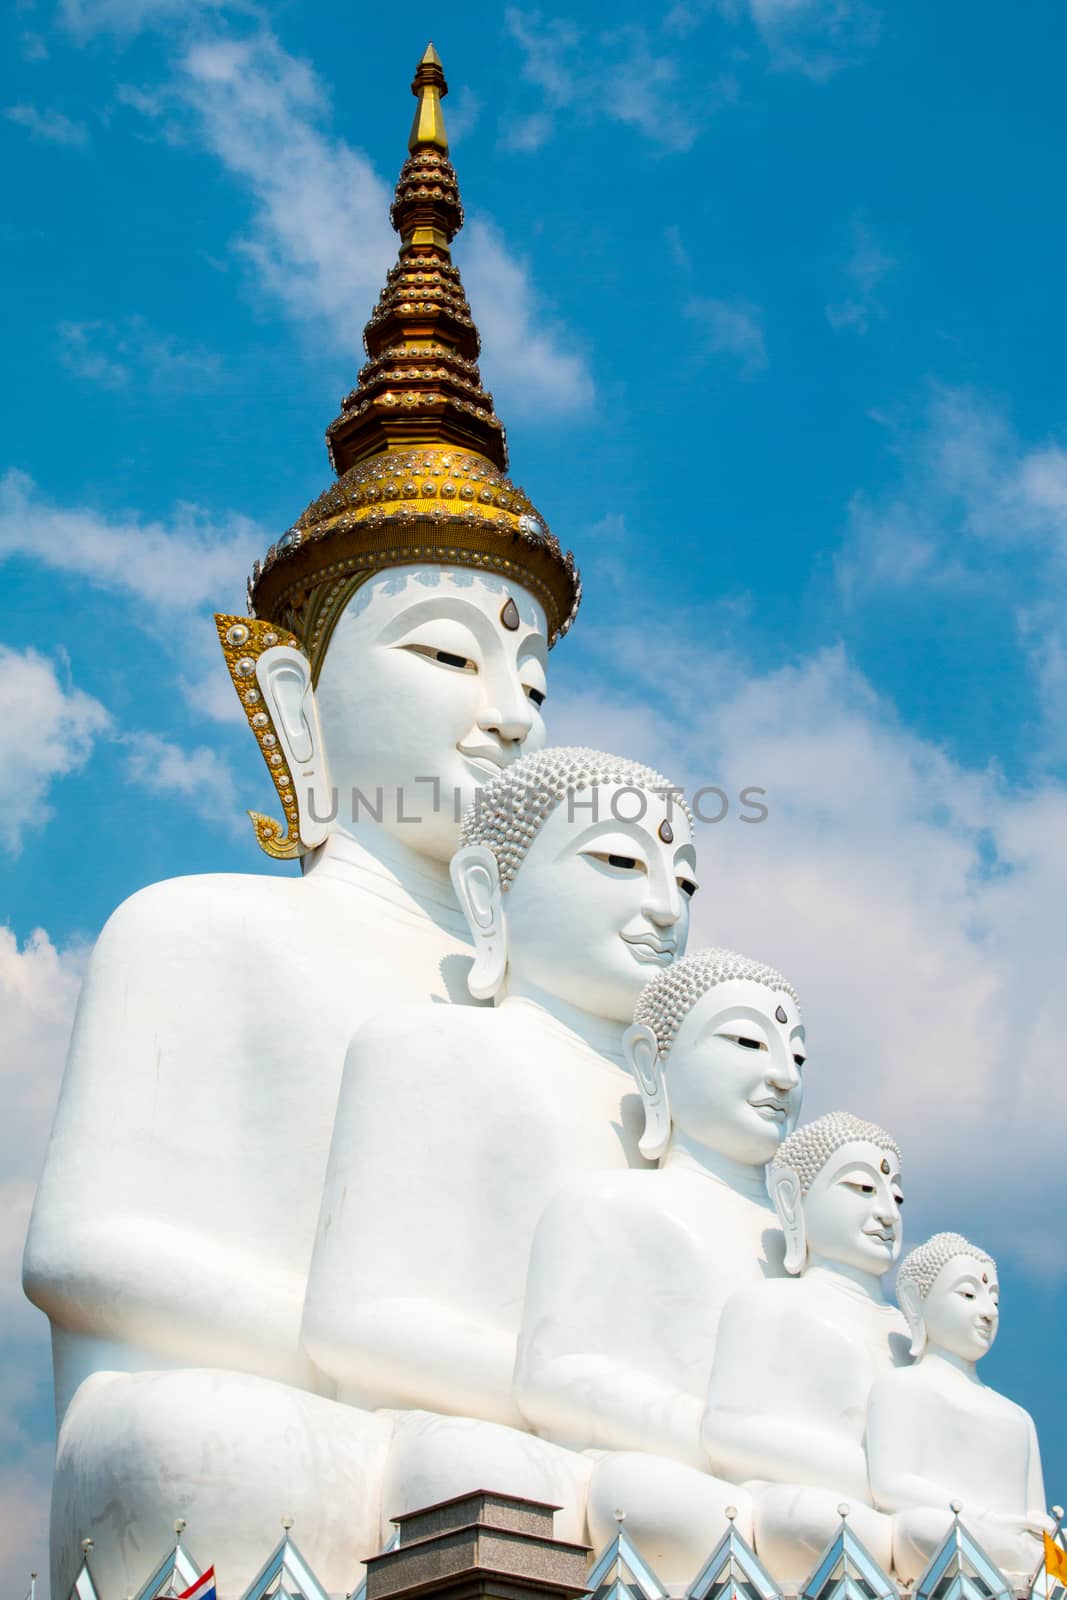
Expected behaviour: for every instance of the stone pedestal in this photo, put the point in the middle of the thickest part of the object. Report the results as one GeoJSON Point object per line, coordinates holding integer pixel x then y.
{"type": "Point", "coordinates": [480, 1546]}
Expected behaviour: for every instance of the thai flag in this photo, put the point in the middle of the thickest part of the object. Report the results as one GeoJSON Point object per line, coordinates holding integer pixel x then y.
{"type": "Point", "coordinates": [202, 1589]}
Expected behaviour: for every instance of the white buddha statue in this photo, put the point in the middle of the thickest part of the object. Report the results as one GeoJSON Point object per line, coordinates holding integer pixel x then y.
{"type": "Point", "coordinates": [417, 1283]}
{"type": "Point", "coordinates": [629, 1271]}
{"type": "Point", "coordinates": [796, 1358]}
{"type": "Point", "coordinates": [937, 1434]}
{"type": "Point", "coordinates": [399, 648]}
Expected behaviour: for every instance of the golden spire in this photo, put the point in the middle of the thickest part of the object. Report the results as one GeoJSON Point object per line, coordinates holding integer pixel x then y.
{"type": "Point", "coordinates": [419, 451]}
{"type": "Point", "coordinates": [421, 384]}
{"type": "Point", "coordinates": [431, 88]}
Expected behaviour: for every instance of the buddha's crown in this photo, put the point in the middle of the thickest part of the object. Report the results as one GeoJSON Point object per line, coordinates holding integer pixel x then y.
{"type": "Point", "coordinates": [419, 451]}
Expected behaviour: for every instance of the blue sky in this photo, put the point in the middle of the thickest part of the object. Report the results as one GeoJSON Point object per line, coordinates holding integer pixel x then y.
{"type": "Point", "coordinates": [771, 302]}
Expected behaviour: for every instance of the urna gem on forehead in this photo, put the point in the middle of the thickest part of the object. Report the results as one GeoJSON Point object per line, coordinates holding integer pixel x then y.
{"type": "Point", "coordinates": [510, 811]}
{"type": "Point", "coordinates": [809, 1148]}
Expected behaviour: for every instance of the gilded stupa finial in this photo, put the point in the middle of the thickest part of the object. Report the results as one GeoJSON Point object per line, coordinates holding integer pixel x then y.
{"type": "Point", "coordinates": [430, 87]}
{"type": "Point", "coordinates": [421, 384]}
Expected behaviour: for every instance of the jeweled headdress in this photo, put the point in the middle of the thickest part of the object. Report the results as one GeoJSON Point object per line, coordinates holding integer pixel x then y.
{"type": "Point", "coordinates": [420, 456]}
{"type": "Point", "coordinates": [420, 453]}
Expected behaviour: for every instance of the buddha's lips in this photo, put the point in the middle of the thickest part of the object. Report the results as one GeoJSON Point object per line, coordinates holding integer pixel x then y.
{"type": "Point", "coordinates": [883, 1235]}
{"type": "Point", "coordinates": [658, 949]}
{"type": "Point", "coordinates": [488, 758]}
{"type": "Point", "coordinates": [777, 1108]}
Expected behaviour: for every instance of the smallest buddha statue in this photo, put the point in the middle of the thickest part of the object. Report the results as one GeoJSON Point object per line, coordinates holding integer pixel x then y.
{"type": "Point", "coordinates": [796, 1358]}
{"type": "Point", "coordinates": [936, 1433]}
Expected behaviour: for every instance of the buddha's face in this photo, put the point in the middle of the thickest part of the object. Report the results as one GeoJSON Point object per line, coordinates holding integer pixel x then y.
{"type": "Point", "coordinates": [734, 1070]}
{"type": "Point", "coordinates": [852, 1209]}
{"type": "Point", "coordinates": [598, 906]}
{"type": "Point", "coordinates": [962, 1309]}
{"type": "Point", "coordinates": [433, 681]}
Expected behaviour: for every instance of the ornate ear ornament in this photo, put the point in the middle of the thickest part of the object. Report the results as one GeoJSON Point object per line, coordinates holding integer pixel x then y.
{"type": "Point", "coordinates": [243, 641]}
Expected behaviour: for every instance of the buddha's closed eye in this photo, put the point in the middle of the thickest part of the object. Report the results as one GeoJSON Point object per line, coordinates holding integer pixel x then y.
{"type": "Point", "coordinates": [444, 658]}
{"type": "Point", "coordinates": [745, 1042]}
{"type": "Point", "coordinates": [619, 863]}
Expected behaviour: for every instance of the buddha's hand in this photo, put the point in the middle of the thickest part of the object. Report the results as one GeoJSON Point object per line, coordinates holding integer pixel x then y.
{"type": "Point", "coordinates": [1035, 1522]}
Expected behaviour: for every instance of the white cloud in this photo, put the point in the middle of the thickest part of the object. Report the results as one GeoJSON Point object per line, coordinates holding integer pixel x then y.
{"type": "Point", "coordinates": [527, 356]}
{"type": "Point", "coordinates": [191, 561]}
{"type": "Point", "coordinates": [320, 238]}
{"type": "Point", "coordinates": [38, 989]}
{"type": "Point", "coordinates": [814, 37]}
{"type": "Point", "coordinates": [52, 127]}
{"type": "Point", "coordinates": [33, 47]}
{"type": "Point", "coordinates": [978, 514]}
{"type": "Point", "coordinates": [733, 328]}
{"type": "Point", "coordinates": [84, 18]}
{"type": "Point", "coordinates": [616, 74]}
{"type": "Point", "coordinates": [49, 730]}
{"type": "Point", "coordinates": [115, 354]}
{"type": "Point", "coordinates": [199, 776]}
{"type": "Point", "coordinates": [178, 571]}
{"type": "Point", "coordinates": [865, 270]}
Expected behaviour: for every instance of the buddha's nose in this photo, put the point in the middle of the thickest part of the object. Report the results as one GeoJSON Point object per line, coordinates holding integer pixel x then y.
{"type": "Point", "coordinates": [509, 718]}
{"type": "Point", "coordinates": [783, 1074]}
{"type": "Point", "coordinates": [663, 906]}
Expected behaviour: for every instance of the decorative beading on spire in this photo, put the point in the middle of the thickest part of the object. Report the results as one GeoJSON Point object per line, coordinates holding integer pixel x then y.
{"type": "Point", "coordinates": [421, 383]}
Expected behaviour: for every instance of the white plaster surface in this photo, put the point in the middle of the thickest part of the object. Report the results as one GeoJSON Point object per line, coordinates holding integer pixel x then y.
{"type": "Point", "coordinates": [176, 1214]}
{"type": "Point", "coordinates": [936, 1433]}
{"type": "Point", "coordinates": [229, 1453]}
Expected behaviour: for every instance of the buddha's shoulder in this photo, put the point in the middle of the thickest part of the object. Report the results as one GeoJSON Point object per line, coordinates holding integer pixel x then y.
{"type": "Point", "coordinates": [202, 910]}
{"type": "Point", "coordinates": [629, 1193]}
{"type": "Point", "coordinates": [770, 1299]}
{"type": "Point", "coordinates": [452, 1027]}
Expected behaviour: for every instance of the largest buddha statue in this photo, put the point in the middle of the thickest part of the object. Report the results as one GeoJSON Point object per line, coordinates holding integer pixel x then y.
{"type": "Point", "coordinates": [393, 660]}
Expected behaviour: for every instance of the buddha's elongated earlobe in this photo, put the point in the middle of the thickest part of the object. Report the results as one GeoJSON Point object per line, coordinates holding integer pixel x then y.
{"type": "Point", "coordinates": [783, 1185]}
{"type": "Point", "coordinates": [476, 880]}
{"type": "Point", "coordinates": [284, 677]}
{"type": "Point", "coordinates": [910, 1302]}
{"type": "Point", "coordinates": [643, 1058]}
